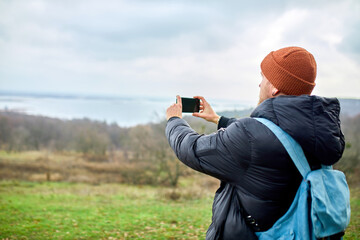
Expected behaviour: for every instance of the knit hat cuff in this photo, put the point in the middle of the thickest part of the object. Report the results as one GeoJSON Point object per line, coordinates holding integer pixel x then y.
{"type": "Point", "coordinates": [284, 80]}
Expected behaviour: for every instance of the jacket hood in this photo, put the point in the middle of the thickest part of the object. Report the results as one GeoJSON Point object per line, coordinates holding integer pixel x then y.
{"type": "Point", "coordinates": [312, 121]}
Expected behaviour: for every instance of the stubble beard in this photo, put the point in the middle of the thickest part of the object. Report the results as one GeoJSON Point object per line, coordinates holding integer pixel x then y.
{"type": "Point", "coordinates": [260, 99]}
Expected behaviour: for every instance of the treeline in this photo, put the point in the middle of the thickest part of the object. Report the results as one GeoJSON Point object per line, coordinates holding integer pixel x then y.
{"type": "Point", "coordinates": [143, 146]}
{"type": "Point", "coordinates": [140, 154]}
{"type": "Point", "coordinates": [22, 132]}
{"type": "Point", "coordinates": [350, 161]}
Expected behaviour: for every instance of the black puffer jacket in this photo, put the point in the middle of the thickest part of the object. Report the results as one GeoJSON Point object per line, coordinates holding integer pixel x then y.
{"type": "Point", "coordinates": [256, 173]}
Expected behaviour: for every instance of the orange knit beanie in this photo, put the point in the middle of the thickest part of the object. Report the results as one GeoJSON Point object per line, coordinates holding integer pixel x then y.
{"type": "Point", "coordinates": [292, 70]}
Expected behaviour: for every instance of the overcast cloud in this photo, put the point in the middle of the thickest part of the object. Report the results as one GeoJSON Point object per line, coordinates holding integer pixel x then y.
{"type": "Point", "coordinates": [163, 48]}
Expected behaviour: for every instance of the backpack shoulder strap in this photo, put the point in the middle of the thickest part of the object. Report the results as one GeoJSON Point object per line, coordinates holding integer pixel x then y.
{"type": "Point", "coordinates": [292, 147]}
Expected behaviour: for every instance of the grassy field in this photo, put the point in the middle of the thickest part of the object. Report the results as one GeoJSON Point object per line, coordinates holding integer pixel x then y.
{"type": "Point", "coordinates": [353, 231]}
{"type": "Point", "coordinates": [78, 203]}
{"type": "Point", "coordinates": [110, 211]}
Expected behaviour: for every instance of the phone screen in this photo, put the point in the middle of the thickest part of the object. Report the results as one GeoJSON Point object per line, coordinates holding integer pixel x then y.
{"type": "Point", "coordinates": [190, 105]}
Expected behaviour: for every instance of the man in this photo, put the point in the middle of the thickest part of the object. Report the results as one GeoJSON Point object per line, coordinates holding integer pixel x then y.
{"type": "Point", "coordinates": [258, 178]}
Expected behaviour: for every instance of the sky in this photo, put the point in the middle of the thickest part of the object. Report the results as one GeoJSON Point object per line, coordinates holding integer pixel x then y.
{"type": "Point", "coordinates": [158, 48]}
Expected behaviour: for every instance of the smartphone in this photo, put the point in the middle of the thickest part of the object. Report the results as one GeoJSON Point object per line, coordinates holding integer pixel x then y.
{"type": "Point", "coordinates": [190, 105]}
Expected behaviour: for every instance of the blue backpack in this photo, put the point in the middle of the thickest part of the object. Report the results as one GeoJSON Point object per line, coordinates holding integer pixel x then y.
{"type": "Point", "coordinates": [321, 206]}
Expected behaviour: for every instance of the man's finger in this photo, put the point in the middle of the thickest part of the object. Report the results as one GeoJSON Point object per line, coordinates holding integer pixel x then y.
{"type": "Point", "coordinates": [196, 114]}
{"type": "Point", "coordinates": [178, 99]}
{"type": "Point", "coordinates": [202, 98]}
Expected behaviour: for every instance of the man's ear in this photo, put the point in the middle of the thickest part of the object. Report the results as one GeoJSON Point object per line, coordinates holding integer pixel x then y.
{"type": "Point", "coordinates": [275, 92]}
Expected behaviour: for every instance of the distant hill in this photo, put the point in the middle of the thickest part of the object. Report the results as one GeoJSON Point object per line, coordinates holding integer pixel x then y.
{"type": "Point", "coordinates": [237, 113]}
{"type": "Point", "coordinates": [350, 107]}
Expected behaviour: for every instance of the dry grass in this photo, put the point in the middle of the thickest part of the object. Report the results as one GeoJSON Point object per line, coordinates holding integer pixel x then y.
{"type": "Point", "coordinates": [70, 167]}
{"type": "Point", "coordinates": [76, 168]}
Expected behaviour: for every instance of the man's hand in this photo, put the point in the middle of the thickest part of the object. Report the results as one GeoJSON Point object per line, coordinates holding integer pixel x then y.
{"type": "Point", "coordinates": [206, 112]}
{"type": "Point", "coordinates": [175, 110]}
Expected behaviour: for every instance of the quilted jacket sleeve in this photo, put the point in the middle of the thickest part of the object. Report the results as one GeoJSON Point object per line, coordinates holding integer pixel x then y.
{"type": "Point", "coordinates": [224, 154]}
{"type": "Point", "coordinates": [224, 122]}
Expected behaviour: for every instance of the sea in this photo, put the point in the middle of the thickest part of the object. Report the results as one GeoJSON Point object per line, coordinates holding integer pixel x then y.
{"type": "Point", "coordinates": [124, 111]}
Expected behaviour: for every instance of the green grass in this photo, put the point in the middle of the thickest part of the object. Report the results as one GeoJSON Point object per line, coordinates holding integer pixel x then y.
{"type": "Point", "coordinates": [353, 231]}
{"type": "Point", "coordinates": [80, 211]}
{"type": "Point", "coordinates": [110, 211]}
